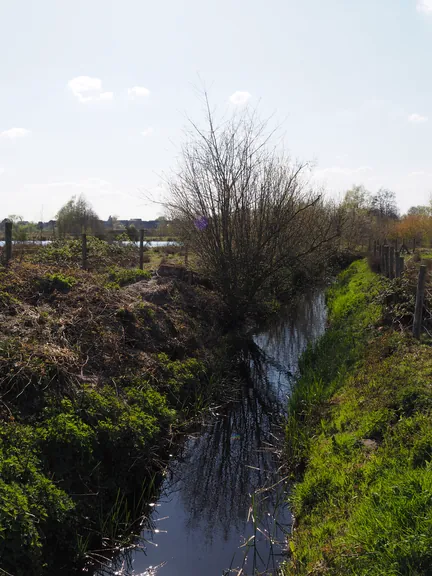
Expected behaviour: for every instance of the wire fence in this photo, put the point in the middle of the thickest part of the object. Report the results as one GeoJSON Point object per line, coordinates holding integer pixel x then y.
{"type": "Point", "coordinates": [409, 297]}
{"type": "Point", "coordinates": [78, 250]}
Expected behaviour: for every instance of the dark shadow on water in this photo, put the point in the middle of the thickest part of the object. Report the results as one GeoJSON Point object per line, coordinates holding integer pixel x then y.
{"type": "Point", "coordinates": [222, 506]}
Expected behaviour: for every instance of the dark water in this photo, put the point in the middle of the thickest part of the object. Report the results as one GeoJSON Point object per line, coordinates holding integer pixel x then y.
{"type": "Point", "coordinates": [222, 507]}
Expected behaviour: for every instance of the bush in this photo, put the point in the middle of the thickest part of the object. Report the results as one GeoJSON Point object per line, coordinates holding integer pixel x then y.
{"type": "Point", "coordinates": [100, 254]}
{"type": "Point", "coordinates": [118, 277]}
{"type": "Point", "coordinates": [31, 504]}
{"type": "Point", "coordinates": [59, 282]}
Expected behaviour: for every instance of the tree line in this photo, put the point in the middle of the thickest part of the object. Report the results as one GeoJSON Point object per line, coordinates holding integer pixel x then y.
{"type": "Point", "coordinates": [254, 216]}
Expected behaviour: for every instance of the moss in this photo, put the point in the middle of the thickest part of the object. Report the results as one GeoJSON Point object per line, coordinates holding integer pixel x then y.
{"type": "Point", "coordinates": [118, 277]}
{"type": "Point", "coordinates": [56, 281]}
{"type": "Point", "coordinates": [364, 501]}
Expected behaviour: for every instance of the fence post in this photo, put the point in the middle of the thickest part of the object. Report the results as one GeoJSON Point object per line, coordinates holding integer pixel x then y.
{"type": "Point", "coordinates": [397, 245]}
{"type": "Point", "coordinates": [401, 265]}
{"type": "Point", "coordinates": [84, 251]}
{"type": "Point", "coordinates": [414, 245]}
{"type": "Point", "coordinates": [391, 263]}
{"type": "Point", "coordinates": [141, 249]}
{"type": "Point", "coordinates": [381, 255]}
{"type": "Point", "coordinates": [375, 248]}
{"type": "Point", "coordinates": [397, 264]}
{"type": "Point", "coordinates": [386, 260]}
{"type": "Point", "coordinates": [8, 242]}
{"type": "Point", "coordinates": [418, 313]}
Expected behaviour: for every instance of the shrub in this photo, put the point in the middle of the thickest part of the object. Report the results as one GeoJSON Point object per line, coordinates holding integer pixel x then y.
{"type": "Point", "coordinates": [118, 277]}
{"type": "Point", "coordinates": [99, 253]}
{"type": "Point", "coordinates": [31, 505]}
{"type": "Point", "coordinates": [57, 281]}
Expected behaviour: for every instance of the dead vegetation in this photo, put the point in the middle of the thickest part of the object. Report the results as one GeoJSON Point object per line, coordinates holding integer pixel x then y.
{"type": "Point", "coordinates": [94, 377]}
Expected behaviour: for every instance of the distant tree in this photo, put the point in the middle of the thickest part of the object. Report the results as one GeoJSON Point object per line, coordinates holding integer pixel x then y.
{"type": "Point", "coordinates": [420, 211]}
{"type": "Point", "coordinates": [132, 232]}
{"type": "Point", "coordinates": [116, 224]}
{"type": "Point", "coordinates": [384, 205]}
{"type": "Point", "coordinates": [357, 198]}
{"type": "Point", "coordinates": [15, 218]}
{"type": "Point", "coordinates": [21, 230]}
{"type": "Point", "coordinates": [357, 222]}
{"type": "Point", "coordinates": [418, 226]}
{"type": "Point", "coordinates": [77, 216]}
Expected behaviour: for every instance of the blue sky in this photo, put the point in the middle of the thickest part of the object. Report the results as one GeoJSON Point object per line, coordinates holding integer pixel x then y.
{"type": "Point", "coordinates": [95, 93]}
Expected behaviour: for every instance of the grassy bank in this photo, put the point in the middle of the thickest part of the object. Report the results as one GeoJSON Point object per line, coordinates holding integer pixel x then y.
{"type": "Point", "coordinates": [97, 372]}
{"type": "Point", "coordinates": [359, 435]}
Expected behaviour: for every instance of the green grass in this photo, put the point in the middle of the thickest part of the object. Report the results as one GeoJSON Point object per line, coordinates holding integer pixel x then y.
{"type": "Point", "coordinates": [56, 281]}
{"type": "Point", "coordinates": [118, 277]}
{"type": "Point", "coordinates": [364, 411]}
{"type": "Point", "coordinates": [324, 367]}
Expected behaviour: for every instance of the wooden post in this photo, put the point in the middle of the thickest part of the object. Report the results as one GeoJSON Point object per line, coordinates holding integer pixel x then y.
{"type": "Point", "coordinates": [401, 265]}
{"type": "Point", "coordinates": [391, 263]}
{"type": "Point", "coordinates": [141, 249]}
{"type": "Point", "coordinates": [84, 251]}
{"type": "Point", "coordinates": [397, 264]}
{"type": "Point", "coordinates": [375, 248]}
{"type": "Point", "coordinates": [8, 242]}
{"type": "Point", "coordinates": [386, 260]}
{"type": "Point", "coordinates": [418, 313]}
{"type": "Point", "coordinates": [414, 244]}
{"type": "Point", "coordinates": [381, 256]}
{"type": "Point", "coordinates": [397, 245]}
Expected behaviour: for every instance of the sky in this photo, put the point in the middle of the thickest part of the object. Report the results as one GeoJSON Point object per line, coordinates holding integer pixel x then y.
{"type": "Point", "coordinates": [95, 95]}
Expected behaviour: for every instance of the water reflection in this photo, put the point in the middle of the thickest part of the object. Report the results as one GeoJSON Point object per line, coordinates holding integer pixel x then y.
{"type": "Point", "coordinates": [214, 498]}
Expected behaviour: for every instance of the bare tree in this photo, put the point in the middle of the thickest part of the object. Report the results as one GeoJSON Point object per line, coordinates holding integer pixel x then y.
{"type": "Point", "coordinates": [249, 213]}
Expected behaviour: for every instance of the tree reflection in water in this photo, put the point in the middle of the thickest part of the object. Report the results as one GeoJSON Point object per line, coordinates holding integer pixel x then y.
{"type": "Point", "coordinates": [215, 486]}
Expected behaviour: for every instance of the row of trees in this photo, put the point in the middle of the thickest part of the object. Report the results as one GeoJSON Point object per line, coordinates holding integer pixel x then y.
{"type": "Point", "coordinates": [77, 216]}
{"type": "Point", "coordinates": [368, 216]}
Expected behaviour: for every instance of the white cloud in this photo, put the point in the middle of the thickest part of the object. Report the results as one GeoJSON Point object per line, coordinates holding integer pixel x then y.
{"type": "Point", "coordinates": [88, 89]}
{"type": "Point", "coordinates": [138, 92]}
{"type": "Point", "coordinates": [14, 133]}
{"type": "Point", "coordinates": [424, 6]}
{"type": "Point", "coordinates": [106, 96]}
{"type": "Point", "coordinates": [239, 98]}
{"type": "Point", "coordinates": [417, 118]}
{"type": "Point", "coordinates": [147, 132]}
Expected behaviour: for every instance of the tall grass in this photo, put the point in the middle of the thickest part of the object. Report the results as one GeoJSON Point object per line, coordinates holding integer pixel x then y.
{"type": "Point", "coordinates": [324, 365]}
{"type": "Point", "coordinates": [364, 502]}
